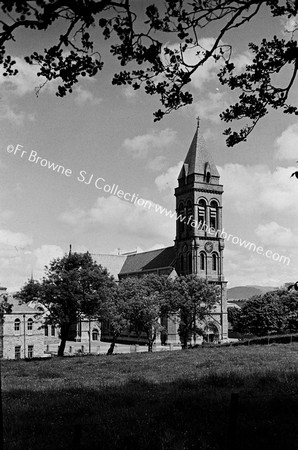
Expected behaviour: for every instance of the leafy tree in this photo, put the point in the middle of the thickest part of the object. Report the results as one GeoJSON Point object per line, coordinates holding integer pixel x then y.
{"type": "Point", "coordinates": [271, 313]}
{"type": "Point", "coordinates": [145, 304]}
{"type": "Point", "coordinates": [233, 316]}
{"type": "Point", "coordinates": [73, 288]}
{"type": "Point", "coordinates": [5, 307]}
{"type": "Point", "coordinates": [153, 42]}
{"type": "Point", "coordinates": [195, 299]}
{"type": "Point", "coordinates": [114, 311]}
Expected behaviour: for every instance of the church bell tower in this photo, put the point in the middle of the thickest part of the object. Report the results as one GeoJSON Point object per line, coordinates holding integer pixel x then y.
{"type": "Point", "coordinates": [199, 245]}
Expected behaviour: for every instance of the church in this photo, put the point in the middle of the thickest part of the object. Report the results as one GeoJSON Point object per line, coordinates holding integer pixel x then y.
{"type": "Point", "coordinates": [198, 246]}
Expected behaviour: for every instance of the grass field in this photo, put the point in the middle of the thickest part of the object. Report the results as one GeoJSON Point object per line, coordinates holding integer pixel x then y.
{"type": "Point", "coordinates": [163, 401]}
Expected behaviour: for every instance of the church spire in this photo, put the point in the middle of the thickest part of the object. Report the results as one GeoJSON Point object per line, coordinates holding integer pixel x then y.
{"type": "Point", "coordinates": [198, 158]}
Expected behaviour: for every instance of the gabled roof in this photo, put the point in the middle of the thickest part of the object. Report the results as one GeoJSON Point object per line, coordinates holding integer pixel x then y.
{"type": "Point", "coordinates": [197, 158]}
{"type": "Point", "coordinates": [113, 263]}
{"type": "Point", "coordinates": [18, 307]}
{"type": "Point", "coordinates": [155, 259]}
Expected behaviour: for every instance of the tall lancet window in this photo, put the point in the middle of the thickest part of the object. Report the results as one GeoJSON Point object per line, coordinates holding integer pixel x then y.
{"type": "Point", "coordinates": [181, 218]}
{"type": "Point", "coordinates": [189, 216]}
{"type": "Point", "coordinates": [214, 262]}
{"type": "Point", "coordinates": [202, 261]}
{"type": "Point", "coordinates": [214, 214]}
{"type": "Point", "coordinates": [202, 212]}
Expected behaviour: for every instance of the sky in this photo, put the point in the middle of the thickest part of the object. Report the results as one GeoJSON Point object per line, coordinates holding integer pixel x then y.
{"type": "Point", "coordinates": [104, 135]}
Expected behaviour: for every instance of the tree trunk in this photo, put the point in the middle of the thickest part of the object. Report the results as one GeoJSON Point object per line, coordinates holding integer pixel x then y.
{"type": "Point", "coordinates": [150, 345]}
{"type": "Point", "coordinates": [111, 349]}
{"type": "Point", "coordinates": [63, 336]}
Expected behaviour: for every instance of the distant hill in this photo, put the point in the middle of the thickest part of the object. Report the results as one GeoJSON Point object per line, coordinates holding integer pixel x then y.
{"type": "Point", "coordinates": [245, 292]}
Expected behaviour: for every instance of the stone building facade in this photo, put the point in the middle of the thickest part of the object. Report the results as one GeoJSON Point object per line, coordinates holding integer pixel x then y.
{"type": "Point", "coordinates": [22, 332]}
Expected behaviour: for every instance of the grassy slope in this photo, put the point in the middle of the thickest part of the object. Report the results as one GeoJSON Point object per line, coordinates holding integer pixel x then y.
{"type": "Point", "coordinates": [174, 400]}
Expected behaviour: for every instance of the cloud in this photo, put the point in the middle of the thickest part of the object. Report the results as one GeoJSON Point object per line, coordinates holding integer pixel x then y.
{"type": "Point", "coordinates": [139, 146]}
{"type": "Point", "coordinates": [286, 144]}
{"type": "Point", "coordinates": [129, 92]}
{"type": "Point", "coordinates": [25, 81]}
{"type": "Point", "coordinates": [43, 256]}
{"type": "Point", "coordinates": [85, 96]}
{"type": "Point", "coordinates": [18, 118]}
{"type": "Point", "coordinates": [157, 163]}
{"type": "Point", "coordinates": [11, 238]}
{"type": "Point", "coordinates": [274, 234]}
{"type": "Point", "coordinates": [168, 179]}
{"type": "Point", "coordinates": [211, 106]}
{"type": "Point", "coordinates": [119, 217]}
{"type": "Point", "coordinates": [259, 190]}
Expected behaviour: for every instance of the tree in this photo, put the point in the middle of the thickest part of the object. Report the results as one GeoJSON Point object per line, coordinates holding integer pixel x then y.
{"type": "Point", "coordinates": [113, 311]}
{"type": "Point", "coordinates": [195, 300]}
{"type": "Point", "coordinates": [146, 303]}
{"type": "Point", "coordinates": [271, 313]}
{"type": "Point", "coordinates": [154, 45]}
{"type": "Point", "coordinates": [73, 288]}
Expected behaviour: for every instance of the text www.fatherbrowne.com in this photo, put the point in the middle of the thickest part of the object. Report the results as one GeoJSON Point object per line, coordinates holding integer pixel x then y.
{"type": "Point", "coordinates": [99, 184]}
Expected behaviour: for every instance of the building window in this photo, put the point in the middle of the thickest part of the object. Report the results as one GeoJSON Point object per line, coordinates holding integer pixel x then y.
{"type": "Point", "coordinates": [17, 325]}
{"type": "Point", "coordinates": [190, 263]}
{"type": "Point", "coordinates": [30, 324]}
{"type": "Point", "coordinates": [214, 215]}
{"type": "Point", "coordinates": [30, 351]}
{"type": "Point", "coordinates": [202, 212]}
{"type": "Point", "coordinates": [53, 330]}
{"type": "Point", "coordinates": [202, 261]}
{"type": "Point", "coordinates": [46, 330]}
{"type": "Point", "coordinates": [95, 335]}
{"type": "Point", "coordinates": [181, 218]}
{"type": "Point", "coordinates": [214, 261]}
{"type": "Point", "coordinates": [189, 216]}
{"type": "Point", "coordinates": [17, 352]}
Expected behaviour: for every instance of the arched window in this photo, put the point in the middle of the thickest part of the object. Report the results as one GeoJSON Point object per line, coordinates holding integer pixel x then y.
{"type": "Point", "coordinates": [202, 212]}
{"type": "Point", "coordinates": [17, 324]}
{"type": "Point", "coordinates": [95, 334]}
{"type": "Point", "coordinates": [202, 261]}
{"type": "Point", "coordinates": [190, 263]}
{"type": "Point", "coordinates": [181, 264]}
{"type": "Point", "coordinates": [30, 324]}
{"type": "Point", "coordinates": [181, 218]}
{"type": "Point", "coordinates": [53, 330]}
{"type": "Point", "coordinates": [46, 330]}
{"type": "Point", "coordinates": [189, 216]}
{"type": "Point", "coordinates": [214, 215]}
{"type": "Point", "coordinates": [214, 261]}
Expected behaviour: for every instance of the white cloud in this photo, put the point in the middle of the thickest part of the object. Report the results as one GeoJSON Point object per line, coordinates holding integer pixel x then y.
{"type": "Point", "coordinates": [25, 81]}
{"type": "Point", "coordinates": [43, 256]}
{"type": "Point", "coordinates": [129, 92]}
{"type": "Point", "coordinates": [168, 179]}
{"type": "Point", "coordinates": [11, 238]}
{"type": "Point", "coordinates": [140, 222]}
{"type": "Point", "coordinates": [211, 106]}
{"type": "Point", "coordinates": [259, 190]}
{"type": "Point", "coordinates": [85, 96]}
{"type": "Point", "coordinates": [286, 144]}
{"type": "Point", "coordinates": [18, 118]}
{"type": "Point", "coordinates": [274, 234]}
{"type": "Point", "coordinates": [157, 163]}
{"type": "Point", "coordinates": [139, 146]}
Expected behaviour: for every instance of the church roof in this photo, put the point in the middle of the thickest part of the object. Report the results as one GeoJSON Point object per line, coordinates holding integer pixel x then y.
{"type": "Point", "coordinates": [197, 157]}
{"type": "Point", "coordinates": [155, 259]}
{"type": "Point", "coordinates": [113, 263]}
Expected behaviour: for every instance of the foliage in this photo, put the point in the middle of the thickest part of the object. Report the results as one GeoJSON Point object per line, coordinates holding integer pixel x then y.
{"type": "Point", "coordinates": [233, 316]}
{"type": "Point", "coordinates": [74, 287]}
{"type": "Point", "coordinates": [5, 307]}
{"type": "Point", "coordinates": [271, 313]}
{"type": "Point", "coordinates": [154, 43]}
{"type": "Point", "coordinates": [146, 303]}
{"type": "Point", "coordinates": [195, 300]}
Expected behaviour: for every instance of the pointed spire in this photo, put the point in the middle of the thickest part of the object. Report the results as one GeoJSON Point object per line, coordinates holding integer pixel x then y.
{"type": "Point", "coordinates": [69, 250]}
{"type": "Point", "coordinates": [198, 157]}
